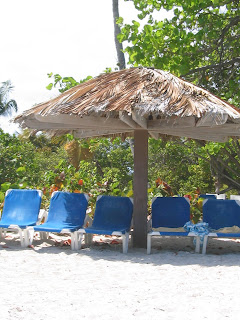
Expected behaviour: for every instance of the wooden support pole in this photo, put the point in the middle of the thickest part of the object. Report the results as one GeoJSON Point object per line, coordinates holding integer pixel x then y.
{"type": "Point", "coordinates": [140, 181]}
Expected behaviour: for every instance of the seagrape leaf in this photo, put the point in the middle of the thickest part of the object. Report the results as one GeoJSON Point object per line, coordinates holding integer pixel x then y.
{"type": "Point", "coordinates": [5, 186]}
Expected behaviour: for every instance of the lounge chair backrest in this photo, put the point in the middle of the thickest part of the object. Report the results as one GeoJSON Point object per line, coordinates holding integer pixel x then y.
{"type": "Point", "coordinates": [170, 212]}
{"type": "Point", "coordinates": [220, 214]}
{"type": "Point", "coordinates": [21, 206]}
{"type": "Point", "coordinates": [68, 207]}
{"type": "Point", "coordinates": [112, 212]}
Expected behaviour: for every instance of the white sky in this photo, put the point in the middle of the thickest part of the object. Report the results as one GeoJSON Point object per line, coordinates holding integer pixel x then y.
{"type": "Point", "coordinates": [70, 37]}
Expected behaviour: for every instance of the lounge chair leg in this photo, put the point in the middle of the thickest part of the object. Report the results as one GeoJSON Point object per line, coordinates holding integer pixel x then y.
{"type": "Point", "coordinates": [197, 247]}
{"type": "Point", "coordinates": [44, 235]}
{"type": "Point", "coordinates": [78, 240]}
{"type": "Point", "coordinates": [27, 241]}
{"type": "Point", "coordinates": [30, 235]}
{"type": "Point", "coordinates": [131, 239]}
{"type": "Point", "coordinates": [149, 243]}
{"type": "Point", "coordinates": [88, 239]}
{"type": "Point", "coordinates": [73, 240]}
{"type": "Point", "coordinates": [204, 248]}
{"type": "Point", "coordinates": [125, 239]}
{"type": "Point", "coordinates": [23, 237]}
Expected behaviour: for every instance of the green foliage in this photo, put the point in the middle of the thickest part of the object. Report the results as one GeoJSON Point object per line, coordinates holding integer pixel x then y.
{"type": "Point", "coordinates": [24, 160]}
{"type": "Point", "coordinates": [199, 42]}
{"type": "Point", "coordinates": [42, 163]}
{"type": "Point", "coordinates": [105, 167]}
{"type": "Point", "coordinates": [6, 105]}
{"type": "Point", "coordinates": [196, 204]}
{"type": "Point", "coordinates": [176, 164]}
{"type": "Point", "coordinates": [63, 83]}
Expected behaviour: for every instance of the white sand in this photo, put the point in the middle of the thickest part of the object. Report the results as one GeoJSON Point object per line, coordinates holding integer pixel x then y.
{"type": "Point", "coordinates": [53, 282]}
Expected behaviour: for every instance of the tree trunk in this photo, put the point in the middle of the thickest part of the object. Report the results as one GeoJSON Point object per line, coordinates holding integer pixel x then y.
{"type": "Point", "coordinates": [217, 183]}
{"type": "Point", "coordinates": [119, 47]}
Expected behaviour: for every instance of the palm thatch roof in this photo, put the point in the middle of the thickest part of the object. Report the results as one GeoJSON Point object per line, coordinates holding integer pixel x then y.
{"type": "Point", "coordinates": [120, 102]}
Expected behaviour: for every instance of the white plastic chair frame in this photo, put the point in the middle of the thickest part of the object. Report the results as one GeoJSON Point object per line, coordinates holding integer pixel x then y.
{"type": "Point", "coordinates": [156, 233]}
{"type": "Point", "coordinates": [81, 232]}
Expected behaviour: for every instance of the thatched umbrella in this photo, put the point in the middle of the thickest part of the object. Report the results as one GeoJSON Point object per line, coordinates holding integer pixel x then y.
{"type": "Point", "coordinates": [136, 102]}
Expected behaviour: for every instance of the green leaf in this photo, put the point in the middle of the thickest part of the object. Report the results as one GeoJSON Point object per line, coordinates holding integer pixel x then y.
{"type": "Point", "coordinates": [115, 185]}
{"type": "Point", "coordinates": [14, 186]}
{"type": "Point", "coordinates": [119, 21]}
{"type": "Point", "coordinates": [183, 68]}
{"type": "Point", "coordinates": [160, 24]}
{"type": "Point", "coordinates": [21, 169]}
{"type": "Point", "coordinates": [57, 77]}
{"type": "Point", "coordinates": [1, 196]}
{"type": "Point", "coordinates": [49, 87]}
{"type": "Point", "coordinates": [136, 23]}
{"type": "Point", "coordinates": [22, 185]}
{"type": "Point", "coordinates": [5, 186]}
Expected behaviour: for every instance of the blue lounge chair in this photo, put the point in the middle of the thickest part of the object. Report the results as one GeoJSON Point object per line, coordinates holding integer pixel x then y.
{"type": "Point", "coordinates": [219, 215]}
{"type": "Point", "coordinates": [21, 210]}
{"type": "Point", "coordinates": [170, 213]}
{"type": "Point", "coordinates": [67, 212]}
{"type": "Point", "coordinates": [113, 216]}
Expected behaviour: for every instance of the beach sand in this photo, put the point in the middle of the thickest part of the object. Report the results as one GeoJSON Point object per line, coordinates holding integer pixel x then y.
{"type": "Point", "coordinates": [50, 281]}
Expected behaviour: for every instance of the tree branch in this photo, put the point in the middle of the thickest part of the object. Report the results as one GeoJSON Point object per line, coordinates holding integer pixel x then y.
{"type": "Point", "coordinates": [230, 179]}
{"type": "Point", "coordinates": [227, 189]}
{"type": "Point", "coordinates": [234, 21]}
{"type": "Point", "coordinates": [224, 150]}
{"type": "Point", "coordinates": [213, 66]}
{"type": "Point", "coordinates": [227, 167]}
{"type": "Point", "coordinates": [237, 146]}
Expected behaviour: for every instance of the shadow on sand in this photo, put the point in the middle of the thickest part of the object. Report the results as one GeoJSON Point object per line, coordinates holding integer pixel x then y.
{"type": "Point", "coordinates": [172, 251]}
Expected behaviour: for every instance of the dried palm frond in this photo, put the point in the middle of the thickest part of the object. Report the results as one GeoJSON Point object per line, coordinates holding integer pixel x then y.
{"type": "Point", "coordinates": [146, 90]}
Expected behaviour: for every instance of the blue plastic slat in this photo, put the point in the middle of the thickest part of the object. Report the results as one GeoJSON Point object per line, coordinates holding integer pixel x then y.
{"type": "Point", "coordinates": [228, 235]}
{"type": "Point", "coordinates": [67, 211]}
{"type": "Point", "coordinates": [176, 234]}
{"type": "Point", "coordinates": [220, 214]}
{"type": "Point", "coordinates": [112, 214]}
{"type": "Point", "coordinates": [105, 231]}
{"type": "Point", "coordinates": [21, 207]}
{"type": "Point", "coordinates": [170, 212]}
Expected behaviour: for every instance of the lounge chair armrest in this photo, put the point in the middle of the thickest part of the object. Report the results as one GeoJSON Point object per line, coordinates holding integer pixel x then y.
{"type": "Point", "coordinates": [14, 226]}
{"type": "Point", "coordinates": [81, 231]}
{"type": "Point", "coordinates": [149, 224]}
{"type": "Point", "coordinates": [88, 221]}
{"type": "Point", "coordinates": [42, 215]}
